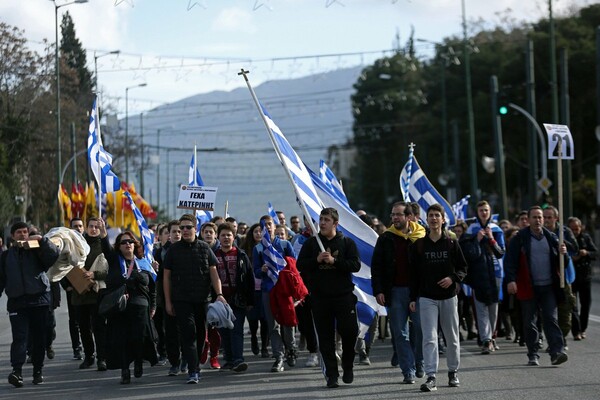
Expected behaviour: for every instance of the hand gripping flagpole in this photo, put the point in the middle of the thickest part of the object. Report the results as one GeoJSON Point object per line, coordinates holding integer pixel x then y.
{"type": "Point", "coordinates": [280, 156]}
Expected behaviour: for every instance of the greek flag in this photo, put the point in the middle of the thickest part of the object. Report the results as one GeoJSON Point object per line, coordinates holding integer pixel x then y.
{"type": "Point", "coordinates": [365, 238]}
{"type": "Point", "coordinates": [275, 261]}
{"type": "Point", "coordinates": [100, 159]}
{"type": "Point", "coordinates": [416, 187]}
{"type": "Point", "coordinates": [333, 184]}
{"type": "Point", "coordinates": [145, 233]}
{"type": "Point", "coordinates": [196, 180]}
{"type": "Point", "coordinates": [273, 214]}
{"type": "Point", "coordinates": [305, 191]}
{"type": "Point", "coordinates": [461, 207]}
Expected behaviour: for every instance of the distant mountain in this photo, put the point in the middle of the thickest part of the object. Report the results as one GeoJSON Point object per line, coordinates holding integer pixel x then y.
{"type": "Point", "coordinates": [234, 150]}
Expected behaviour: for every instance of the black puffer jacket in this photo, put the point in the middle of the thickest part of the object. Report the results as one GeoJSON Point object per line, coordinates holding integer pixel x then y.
{"type": "Point", "coordinates": [189, 264]}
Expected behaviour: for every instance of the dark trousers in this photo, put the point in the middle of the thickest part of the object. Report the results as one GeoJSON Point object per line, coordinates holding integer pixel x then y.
{"type": "Point", "coordinates": [73, 322]}
{"type": "Point", "coordinates": [159, 323]}
{"type": "Point", "coordinates": [545, 299]}
{"type": "Point", "coordinates": [305, 324]}
{"type": "Point", "coordinates": [131, 341]}
{"type": "Point", "coordinates": [92, 327]}
{"type": "Point", "coordinates": [329, 315]}
{"type": "Point", "coordinates": [191, 320]}
{"type": "Point", "coordinates": [172, 339]}
{"type": "Point", "coordinates": [25, 322]}
{"type": "Point", "coordinates": [583, 290]}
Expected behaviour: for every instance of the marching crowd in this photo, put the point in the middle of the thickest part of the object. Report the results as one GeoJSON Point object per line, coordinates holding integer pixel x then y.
{"type": "Point", "coordinates": [189, 309]}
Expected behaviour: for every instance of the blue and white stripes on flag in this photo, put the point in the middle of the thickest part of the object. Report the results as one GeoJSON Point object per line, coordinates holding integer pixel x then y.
{"type": "Point", "coordinates": [461, 207]}
{"type": "Point", "coordinates": [420, 190]}
{"type": "Point", "coordinates": [301, 178]}
{"type": "Point", "coordinates": [273, 214]}
{"type": "Point", "coordinates": [100, 159]}
{"type": "Point", "coordinates": [331, 181]}
{"type": "Point", "coordinates": [274, 260]}
{"type": "Point", "coordinates": [365, 238]}
{"type": "Point", "coordinates": [146, 234]}
{"type": "Point", "coordinates": [202, 216]}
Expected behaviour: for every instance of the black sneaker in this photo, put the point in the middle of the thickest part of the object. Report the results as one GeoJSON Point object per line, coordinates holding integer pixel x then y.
{"type": "Point", "coordinates": [101, 365]}
{"type": "Point", "coordinates": [15, 378]}
{"type": "Point", "coordinates": [254, 345]}
{"type": "Point", "coordinates": [38, 379]}
{"type": "Point", "coordinates": [430, 385]}
{"type": "Point", "coordinates": [348, 376]}
{"type": "Point", "coordinates": [332, 383]}
{"type": "Point", "coordinates": [453, 379]}
{"type": "Point", "coordinates": [77, 354]}
{"type": "Point", "coordinates": [291, 358]}
{"type": "Point", "coordinates": [559, 358]}
{"type": "Point", "coordinates": [420, 371]}
{"type": "Point", "coordinates": [138, 369]}
{"type": "Point", "coordinates": [277, 365]}
{"type": "Point", "coordinates": [87, 362]}
{"type": "Point", "coordinates": [240, 367]}
{"type": "Point", "coordinates": [533, 361]}
{"type": "Point", "coordinates": [408, 380]}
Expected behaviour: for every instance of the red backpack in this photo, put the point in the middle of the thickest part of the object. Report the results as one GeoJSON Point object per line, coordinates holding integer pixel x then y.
{"type": "Point", "coordinates": [287, 292]}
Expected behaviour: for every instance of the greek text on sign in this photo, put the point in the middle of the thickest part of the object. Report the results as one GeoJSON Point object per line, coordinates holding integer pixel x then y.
{"type": "Point", "coordinates": [197, 197]}
{"type": "Point", "coordinates": [559, 134]}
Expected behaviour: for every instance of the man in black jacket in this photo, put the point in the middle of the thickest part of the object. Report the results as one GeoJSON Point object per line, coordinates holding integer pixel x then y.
{"type": "Point", "coordinates": [23, 276]}
{"type": "Point", "coordinates": [329, 281]}
{"type": "Point", "coordinates": [190, 269]}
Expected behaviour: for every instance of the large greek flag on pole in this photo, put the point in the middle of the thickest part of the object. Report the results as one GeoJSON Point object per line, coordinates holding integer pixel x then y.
{"type": "Point", "coordinates": [415, 184]}
{"type": "Point", "coordinates": [100, 159]}
{"type": "Point", "coordinates": [365, 238]}
{"type": "Point", "coordinates": [145, 233]}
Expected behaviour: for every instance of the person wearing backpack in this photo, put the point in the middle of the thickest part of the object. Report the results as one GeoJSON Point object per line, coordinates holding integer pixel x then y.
{"type": "Point", "coordinates": [437, 268]}
{"type": "Point", "coordinates": [328, 276]}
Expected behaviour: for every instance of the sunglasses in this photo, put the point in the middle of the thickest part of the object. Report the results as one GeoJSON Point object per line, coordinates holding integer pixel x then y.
{"type": "Point", "coordinates": [184, 227]}
{"type": "Point", "coordinates": [126, 241]}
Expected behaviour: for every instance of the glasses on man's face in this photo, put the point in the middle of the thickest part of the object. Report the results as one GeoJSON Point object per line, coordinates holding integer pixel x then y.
{"type": "Point", "coordinates": [126, 241]}
{"type": "Point", "coordinates": [396, 215]}
{"type": "Point", "coordinates": [186, 227]}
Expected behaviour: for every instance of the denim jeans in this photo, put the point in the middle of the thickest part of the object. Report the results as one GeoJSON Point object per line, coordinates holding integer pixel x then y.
{"type": "Point", "coordinates": [545, 299]}
{"type": "Point", "coordinates": [398, 314]}
{"type": "Point", "coordinates": [233, 339]}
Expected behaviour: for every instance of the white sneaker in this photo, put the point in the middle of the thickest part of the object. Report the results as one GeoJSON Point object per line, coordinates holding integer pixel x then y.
{"type": "Point", "coordinates": [312, 360]}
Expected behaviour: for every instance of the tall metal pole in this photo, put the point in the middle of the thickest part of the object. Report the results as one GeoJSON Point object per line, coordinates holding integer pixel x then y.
{"type": "Point", "coordinates": [167, 183]}
{"type": "Point", "coordinates": [58, 140]}
{"type": "Point", "coordinates": [142, 151]}
{"type": "Point", "coordinates": [553, 73]}
{"type": "Point", "coordinates": [158, 169]}
{"type": "Point", "coordinates": [498, 144]}
{"type": "Point", "coordinates": [73, 152]}
{"type": "Point", "coordinates": [566, 120]}
{"type": "Point", "coordinates": [471, 121]}
{"type": "Point", "coordinates": [531, 133]}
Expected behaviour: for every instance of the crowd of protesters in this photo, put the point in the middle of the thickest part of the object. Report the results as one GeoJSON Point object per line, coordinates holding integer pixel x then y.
{"type": "Point", "coordinates": [436, 286]}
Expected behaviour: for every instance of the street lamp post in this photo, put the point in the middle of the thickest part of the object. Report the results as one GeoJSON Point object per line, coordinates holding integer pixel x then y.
{"type": "Point", "coordinates": [127, 128]}
{"type": "Point", "coordinates": [96, 57]}
{"type": "Point", "coordinates": [56, 59]}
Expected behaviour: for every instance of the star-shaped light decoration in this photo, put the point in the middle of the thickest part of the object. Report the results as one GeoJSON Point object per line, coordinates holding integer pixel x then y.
{"type": "Point", "coordinates": [192, 4]}
{"type": "Point", "coordinates": [130, 2]}
{"type": "Point", "coordinates": [258, 4]}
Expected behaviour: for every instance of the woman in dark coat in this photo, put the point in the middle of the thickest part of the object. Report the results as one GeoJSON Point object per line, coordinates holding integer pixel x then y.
{"type": "Point", "coordinates": [131, 336]}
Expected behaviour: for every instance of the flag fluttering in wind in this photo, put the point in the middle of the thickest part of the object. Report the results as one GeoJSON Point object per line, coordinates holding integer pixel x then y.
{"type": "Point", "coordinates": [100, 159]}
{"type": "Point", "coordinates": [333, 184]}
{"type": "Point", "coordinates": [273, 214]}
{"type": "Point", "coordinates": [194, 179]}
{"type": "Point", "coordinates": [144, 232]}
{"type": "Point", "coordinates": [274, 260]}
{"type": "Point", "coordinates": [461, 207]}
{"type": "Point", "coordinates": [416, 187]}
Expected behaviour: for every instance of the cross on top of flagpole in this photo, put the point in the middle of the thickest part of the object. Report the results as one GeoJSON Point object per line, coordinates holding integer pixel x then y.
{"type": "Point", "coordinates": [244, 72]}
{"type": "Point", "coordinates": [412, 146]}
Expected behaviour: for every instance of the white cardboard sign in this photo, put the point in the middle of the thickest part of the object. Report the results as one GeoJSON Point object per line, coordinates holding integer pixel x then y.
{"type": "Point", "coordinates": [197, 197]}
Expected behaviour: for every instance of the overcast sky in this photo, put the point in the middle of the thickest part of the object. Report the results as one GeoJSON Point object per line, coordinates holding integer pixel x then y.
{"type": "Point", "coordinates": [184, 47]}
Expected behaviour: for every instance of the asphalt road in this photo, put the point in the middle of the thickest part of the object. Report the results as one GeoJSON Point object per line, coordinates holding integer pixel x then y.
{"type": "Point", "coordinates": [501, 375]}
